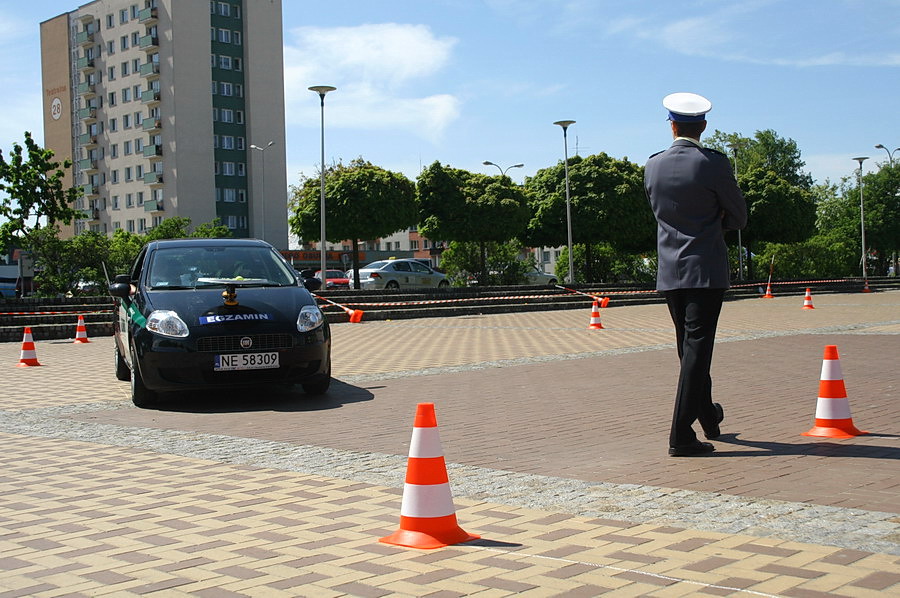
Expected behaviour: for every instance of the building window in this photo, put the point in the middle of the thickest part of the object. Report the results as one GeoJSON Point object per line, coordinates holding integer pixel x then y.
{"type": "Point", "coordinates": [231, 222]}
{"type": "Point", "coordinates": [238, 64]}
{"type": "Point", "coordinates": [216, 168]}
{"type": "Point", "coordinates": [240, 143]}
{"type": "Point", "coordinates": [110, 21]}
{"type": "Point", "coordinates": [124, 68]}
{"type": "Point", "coordinates": [114, 150]}
{"type": "Point", "coordinates": [215, 88]}
{"type": "Point", "coordinates": [414, 244]}
{"type": "Point", "coordinates": [227, 115]}
{"type": "Point", "coordinates": [111, 73]}
{"type": "Point", "coordinates": [115, 202]}
{"type": "Point", "coordinates": [241, 169]}
{"type": "Point", "coordinates": [138, 145]}
{"type": "Point", "coordinates": [135, 39]}
{"type": "Point", "coordinates": [139, 171]}
{"type": "Point", "coordinates": [142, 225]}
{"type": "Point", "coordinates": [225, 62]}
{"type": "Point", "coordinates": [226, 89]}
{"type": "Point", "coordinates": [134, 11]}
{"type": "Point", "coordinates": [229, 195]}
{"type": "Point", "coordinates": [239, 117]}
{"type": "Point", "coordinates": [123, 43]}
{"type": "Point", "coordinates": [215, 142]}
{"type": "Point", "coordinates": [228, 168]}
{"type": "Point", "coordinates": [128, 173]}
{"type": "Point", "coordinates": [117, 225]}
{"type": "Point", "coordinates": [126, 97]}
{"type": "Point", "coordinates": [224, 9]}
{"type": "Point", "coordinates": [130, 226]}
{"type": "Point", "coordinates": [129, 200]}
{"type": "Point", "coordinates": [135, 65]}
{"type": "Point", "coordinates": [110, 47]}
{"type": "Point", "coordinates": [227, 142]}
{"type": "Point", "coordinates": [123, 16]}
{"type": "Point", "coordinates": [242, 195]}
{"type": "Point", "coordinates": [215, 114]}
{"type": "Point", "coordinates": [113, 125]}
{"type": "Point", "coordinates": [140, 198]}
{"type": "Point", "coordinates": [225, 36]}
{"type": "Point", "coordinates": [237, 38]}
{"type": "Point", "coordinates": [126, 148]}
{"type": "Point", "coordinates": [114, 177]}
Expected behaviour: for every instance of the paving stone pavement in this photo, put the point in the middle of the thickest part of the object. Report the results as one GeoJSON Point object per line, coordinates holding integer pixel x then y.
{"type": "Point", "coordinates": [555, 439]}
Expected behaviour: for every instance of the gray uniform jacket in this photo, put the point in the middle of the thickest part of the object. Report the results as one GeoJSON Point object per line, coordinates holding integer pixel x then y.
{"type": "Point", "coordinates": [690, 188]}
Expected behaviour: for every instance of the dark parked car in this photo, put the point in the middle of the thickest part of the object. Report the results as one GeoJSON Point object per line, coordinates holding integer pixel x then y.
{"type": "Point", "coordinates": [207, 313]}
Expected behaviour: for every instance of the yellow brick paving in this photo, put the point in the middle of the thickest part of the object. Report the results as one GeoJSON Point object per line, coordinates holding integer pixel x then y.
{"type": "Point", "coordinates": [79, 519]}
{"type": "Point", "coordinates": [87, 519]}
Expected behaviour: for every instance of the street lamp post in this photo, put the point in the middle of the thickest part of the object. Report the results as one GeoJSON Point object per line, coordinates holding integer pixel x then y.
{"type": "Point", "coordinates": [502, 170]}
{"type": "Point", "coordinates": [565, 126]}
{"type": "Point", "coordinates": [890, 153]}
{"type": "Point", "coordinates": [322, 90]}
{"type": "Point", "coordinates": [262, 195]}
{"type": "Point", "coordinates": [740, 243]}
{"type": "Point", "coordinates": [862, 221]}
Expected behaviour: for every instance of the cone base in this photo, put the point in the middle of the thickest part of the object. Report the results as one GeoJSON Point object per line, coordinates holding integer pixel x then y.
{"type": "Point", "coordinates": [356, 316]}
{"type": "Point", "coordinates": [444, 532]}
{"type": "Point", "coordinates": [25, 364]}
{"type": "Point", "coordinates": [81, 340]}
{"type": "Point", "coordinates": [595, 327]}
{"type": "Point", "coordinates": [847, 430]}
{"type": "Point", "coordinates": [768, 296]}
{"type": "Point", "coordinates": [808, 307]}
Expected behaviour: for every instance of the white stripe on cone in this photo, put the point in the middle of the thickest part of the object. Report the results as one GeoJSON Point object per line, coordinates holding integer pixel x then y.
{"type": "Point", "coordinates": [831, 370]}
{"type": "Point", "coordinates": [425, 443]}
{"type": "Point", "coordinates": [832, 408]}
{"type": "Point", "coordinates": [433, 500]}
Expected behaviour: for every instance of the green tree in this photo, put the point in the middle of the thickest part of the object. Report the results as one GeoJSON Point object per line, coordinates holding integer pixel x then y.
{"type": "Point", "coordinates": [608, 205]}
{"type": "Point", "coordinates": [778, 211]}
{"type": "Point", "coordinates": [35, 196]}
{"type": "Point", "coordinates": [462, 261]}
{"type": "Point", "coordinates": [458, 205]}
{"type": "Point", "coordinates": [881, 209]}
{"type": "Point", "coordinates": [179, 227]}
{"type": "Point", "coordinates": [766, 151]}
{"type": "Point", "coordinates": [362, 201]}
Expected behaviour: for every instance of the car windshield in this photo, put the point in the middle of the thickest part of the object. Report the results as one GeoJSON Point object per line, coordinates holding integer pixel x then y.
{"type": "Point", "coordinates": [192, 267]}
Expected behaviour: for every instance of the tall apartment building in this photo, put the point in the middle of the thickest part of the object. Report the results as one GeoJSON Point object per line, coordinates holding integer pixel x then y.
{"type": "Point", "coordinates": [170, 108]}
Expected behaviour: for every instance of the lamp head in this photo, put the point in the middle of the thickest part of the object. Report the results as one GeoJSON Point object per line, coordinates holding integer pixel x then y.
{"type": "Point", "coordinates": [488, 163]}
{"type": "Point", "coordinates": [564, 123]}
{"type": "Point", "coordinates": [322, 89]}
{"type": "Point", "coordinates": [879, 146]}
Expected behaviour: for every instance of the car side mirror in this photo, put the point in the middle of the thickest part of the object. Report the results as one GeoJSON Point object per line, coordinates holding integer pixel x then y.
{"type": "Point", "coordinates": [121, 290]}
{"type": "Point", "coordinates": [312, 284]}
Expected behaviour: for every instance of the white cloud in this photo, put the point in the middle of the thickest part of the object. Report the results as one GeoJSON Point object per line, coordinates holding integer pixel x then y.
{"type": "Point", "coordinates": [370, 65]}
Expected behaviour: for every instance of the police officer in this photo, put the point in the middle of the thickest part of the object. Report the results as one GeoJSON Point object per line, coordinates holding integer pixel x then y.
{"type": "Point", "coordinates": [695, 198]}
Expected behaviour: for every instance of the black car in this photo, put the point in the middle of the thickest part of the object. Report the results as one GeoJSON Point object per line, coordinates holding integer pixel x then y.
{"type": "Point", "coordinates": [207, 313]}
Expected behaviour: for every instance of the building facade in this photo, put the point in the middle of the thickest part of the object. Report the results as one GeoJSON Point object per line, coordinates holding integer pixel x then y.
{"type": "Point", "coordinates": [170, 108]}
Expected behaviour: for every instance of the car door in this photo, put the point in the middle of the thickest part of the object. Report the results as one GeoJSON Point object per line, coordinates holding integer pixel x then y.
{"type": "Point", "coordinates": [403, 274]}
{"type": "Point", "coordinates": [423, 275]}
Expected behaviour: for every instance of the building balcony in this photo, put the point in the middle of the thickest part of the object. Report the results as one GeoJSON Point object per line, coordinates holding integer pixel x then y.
{"type": "Point", "coordinates": [148, 16]}
{"type": "Point", "coordinates": [152, 151]}
{"type": "Point", "coordinates": [149, 42]}
{"type": "Point", "coordinates": [150, 70]}
{"type": "Point", "coordinates": [87, 139]}
{"type": "Point", "coordinates": [87, 114]}
{"type": "Point", "coordinates": [84, 64]}
{"type": "Point", "coordinates": [87, 90]}
{"type": "Point", "coordinates": [154, 205]}
{"type": "Point", "coordinates": [93, 214]}
{"type": "Point", "coordinates": [86, 17]}
{"type": "Point", "coordinates": [151, 125]}
{"type": "Point", "coordinates": [84, 38]}
{"type": "Point", "coordinates": [87, 165]}
{"type": "Point", "coordinates": [152, 178]}
{"type": "Point", "coordinates": [90, 191]}
{"type": "Point", "coordinates": [151, 96]}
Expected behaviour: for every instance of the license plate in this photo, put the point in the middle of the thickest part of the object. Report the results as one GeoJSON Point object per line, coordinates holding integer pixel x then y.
{"type": "Point", "coordinates": [246, 361]}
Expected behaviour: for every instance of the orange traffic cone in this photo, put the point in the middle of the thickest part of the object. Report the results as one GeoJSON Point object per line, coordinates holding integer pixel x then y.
{"type": "Point", "coordinates": [768, 294]}
{"type": "Point", "coordinates": [595, 317]}
{"type": "Point", "coordinates": [833, 408]}
{"type": "Point", "coordinates": [427, 514]}
{"type": "Point", "coordinates": [866, 288]}
{"type": "Point", "coordinates": [807, 301]}
{"type": "Point", "coordinates": [355, 315]}
{"type": "Point", "coordinates": [81, 331]}
{"type": "Point", "coordinates": [28, 357]}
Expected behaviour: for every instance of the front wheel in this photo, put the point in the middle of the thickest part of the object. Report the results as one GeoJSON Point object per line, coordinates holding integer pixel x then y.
{"type": "Point", "coordinates": [141, 396]}
{"type": "Point", "coordinates": [122, 371]}
{"type": "Point", "coordinates": [319, 386]}
{"type": "Point", "coordinates": [443, 284]}
{"type": "Point", "coordinates": [392, 284]}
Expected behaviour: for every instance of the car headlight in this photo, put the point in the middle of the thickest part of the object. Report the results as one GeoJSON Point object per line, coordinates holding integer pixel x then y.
{"type": "Point", "coordinates": [309, 318]}
{"type": "Point", "coordinates": [167, 323]}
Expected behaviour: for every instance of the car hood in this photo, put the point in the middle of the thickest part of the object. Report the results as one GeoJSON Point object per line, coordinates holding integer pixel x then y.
{"type": "Point", "coordinates": [206, 306]}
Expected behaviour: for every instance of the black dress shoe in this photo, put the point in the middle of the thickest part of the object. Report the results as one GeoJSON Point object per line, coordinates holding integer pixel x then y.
{"type": "Point", "coordinates": [691, 450]}
{"type": "Point", "coordinates": [713, 432]}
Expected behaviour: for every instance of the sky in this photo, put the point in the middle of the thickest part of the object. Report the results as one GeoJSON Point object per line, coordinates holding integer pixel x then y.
{"type": "Point", "coordinates": [465, 81]}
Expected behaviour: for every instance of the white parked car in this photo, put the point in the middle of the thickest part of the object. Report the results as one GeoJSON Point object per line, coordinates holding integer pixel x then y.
{"type": "Point", "coordinates": [401, 273]}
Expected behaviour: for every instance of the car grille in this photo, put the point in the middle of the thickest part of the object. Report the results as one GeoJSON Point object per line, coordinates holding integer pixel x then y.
{"type": "Point", "coordinates": [261, 342]}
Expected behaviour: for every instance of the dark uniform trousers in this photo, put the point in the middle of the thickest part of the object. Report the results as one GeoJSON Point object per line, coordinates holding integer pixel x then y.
{"type": "Point", "coordinates": [695, 313]}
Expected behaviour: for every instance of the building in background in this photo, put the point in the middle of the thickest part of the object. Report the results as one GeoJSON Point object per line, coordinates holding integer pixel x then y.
{"type": "Point", "coordinates": [157, 103]}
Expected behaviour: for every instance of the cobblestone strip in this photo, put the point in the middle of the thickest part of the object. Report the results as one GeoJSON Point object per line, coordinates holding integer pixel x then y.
{"type": "Point", "coordinates": [848, 528]}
